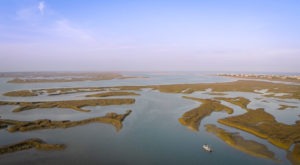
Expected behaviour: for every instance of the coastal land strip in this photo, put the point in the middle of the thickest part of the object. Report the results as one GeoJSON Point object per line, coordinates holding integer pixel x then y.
{"type": "Point", "coordinates": [257, 122]}
{"type": "Point", "coordinates": [238, 142]}
{"type": "Point", "coordinates": [292, 91]}
{"type": "Point", "coordinates": [62, 91]}
{"type": "Point", "coordinates": [69, 104]}
{"type": "Point", "coordinates": [262, 124]}
{"type": "Point", "coordinates": [242, 102]}
{"type": "Point", "coordinates": [56, 77]}
{"type": "Point", "coordinates": [23, 126]}
{"type": "Point", "coordinates": [192, 118]}
{"type": "Point", "coordinates": [286, 78]}
{"type": "Point", "coordinates": [35, 143]}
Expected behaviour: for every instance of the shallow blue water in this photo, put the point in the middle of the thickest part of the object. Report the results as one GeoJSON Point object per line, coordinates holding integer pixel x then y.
{"type": "Point", "coordinates": [150, 135]}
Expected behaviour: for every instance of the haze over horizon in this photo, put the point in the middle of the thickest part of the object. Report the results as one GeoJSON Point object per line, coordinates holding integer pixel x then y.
{"type": "Point", "coordinates": [53, 35]}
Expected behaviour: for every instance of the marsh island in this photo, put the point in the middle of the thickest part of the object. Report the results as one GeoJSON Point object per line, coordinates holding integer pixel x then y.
{"type": "Point", "coordinates": [230, 110]}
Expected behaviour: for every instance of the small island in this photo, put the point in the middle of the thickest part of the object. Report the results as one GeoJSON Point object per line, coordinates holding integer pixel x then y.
{"type": "Point", "coordinates": [239, 101]}
{"type": "Point", "coordinates": [264, 125]}
{"type": "Point", "coordinates": [23, 126]}
{"type": "Point", "coordinates": [35, 143]}
{"type": "Point", "coordinates": [284, 107]}
{"type": "Point", "coordinates": [192, 118]}
{"type": "Point", "coordinates": [238, 142]}
{"type": "Point", "coordinates": [256, 122]}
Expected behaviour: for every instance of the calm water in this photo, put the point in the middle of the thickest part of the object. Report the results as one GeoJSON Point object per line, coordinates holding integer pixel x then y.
{"type": "Point", "coordinates": [150, 135]}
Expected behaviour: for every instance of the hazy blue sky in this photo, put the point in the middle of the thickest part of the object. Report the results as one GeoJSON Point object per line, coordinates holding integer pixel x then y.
{"type": "Point", "coordinates": [110, 35]}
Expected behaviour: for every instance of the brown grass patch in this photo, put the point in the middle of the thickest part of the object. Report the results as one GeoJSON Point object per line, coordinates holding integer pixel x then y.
{"type": "Point", "coordinates": [23, 126]}
{"type": "Point", "coordinates": [294, 156]}
{"type": "Point", "coordinates": [192, 118]}
{"type": "Point", "coordinates": [239, 101]}
{"type": "Point", "coordinates": [264, 125]}
{"type": "Point", "coordinates": [29, 144]}
{"type": "Point", "coordinates": [69, 104]}
{"type": "Point", "coordinates": [238, 142]}
{"type": "Point", "coordinates": [284, 107]}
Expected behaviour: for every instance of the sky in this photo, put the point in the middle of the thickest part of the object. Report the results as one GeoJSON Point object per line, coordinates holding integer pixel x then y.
{"type": "Point", "coordinates": [150, 35]}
